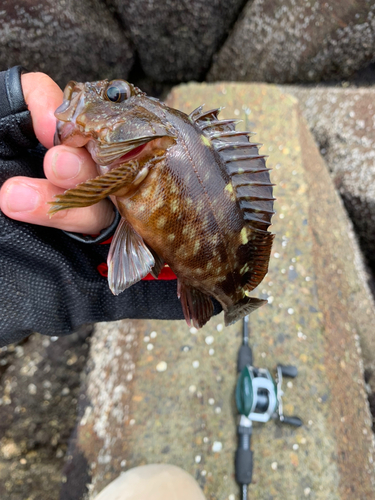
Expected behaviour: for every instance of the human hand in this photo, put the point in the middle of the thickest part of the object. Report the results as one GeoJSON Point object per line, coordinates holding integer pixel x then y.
{"type": "Point", "coordinates": [26, 199]}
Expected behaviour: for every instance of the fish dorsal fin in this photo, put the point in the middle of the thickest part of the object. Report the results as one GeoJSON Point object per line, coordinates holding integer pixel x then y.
{"type": "Point", "coordinates": [252, 186]}
{"type": "Point", "coordinates": [245, 166]}
{"type": "Point", "coordinates": [129, 259]}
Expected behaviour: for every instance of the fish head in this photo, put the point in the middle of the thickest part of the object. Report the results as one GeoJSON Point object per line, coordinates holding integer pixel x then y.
{"type": "Point", "coordinates": [112, 119]}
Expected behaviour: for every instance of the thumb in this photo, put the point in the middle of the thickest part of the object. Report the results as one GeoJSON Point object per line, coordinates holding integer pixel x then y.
{"type": "Point", "coordinates": [42, 96]}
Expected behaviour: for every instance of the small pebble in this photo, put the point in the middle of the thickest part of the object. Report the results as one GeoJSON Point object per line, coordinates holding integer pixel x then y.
{"type": "Point", "coordinates": [276, 255]}
{"type": "Point", "coordinates": [198, 459]}
{"type": "Point", "coordinates": [217, 446]}
{"type": "Point", "coordinates": [211, 352]}
{"type": "Point", "coordinates": [203, 472]}
{"type": "Point", "coordinates": [289, 384]}
{"type": "Point", "coordinates": [295, 446]}
{"type": "Point", "coordinates": [146, 339]}
{"type": "Point", "coordinates": [131, 421]}
{"type": "Point", "coordinates": [211, 401]}
{"type": "Point", "coordinates": [23, 461]}
{"type": "Point", "coordinates": [161, 367]}
{"type": "Point", "coordinates": [32, 389]}
{"type": "Point", "coordinates": [209, 340]}
{"type": "Point", "coordinates": [192, 389]}
{"type": "Point", "coordinates": [195, 364]}
{"type": "Point", "coordinates": [193, 330]}
{"type": "Point", "coordinates": [205, 439]}
{"type": "Point", "coordinates": [274, 466]}
{"type": "Point", "coordinates": [53, 339]}
{"type": "Point", "coordinates": [153, 335]}
{"type": "Point", "coordinates": [217, 410]}
{"type": "Point", "coordinates": [150, 347]}
{"type": "Point", "coordinates": [307, 492]}
{"type": "Point", "coordinates": [290, 310]}
{"type": "Point", "coordinates": [231, 497]}
{"type": "Point", "coordinates": [65, 391]}
{"type": "Point", "coordinates": [123, 463]}
{"type": "Point", "coordinates": [219, 327]}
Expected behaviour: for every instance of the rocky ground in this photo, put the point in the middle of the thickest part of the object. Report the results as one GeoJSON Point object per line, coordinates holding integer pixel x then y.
{"type": "Point", "coordinates": [39, 392]}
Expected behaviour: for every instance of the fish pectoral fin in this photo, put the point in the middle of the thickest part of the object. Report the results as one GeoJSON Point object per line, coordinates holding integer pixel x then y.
{"type": "Point", "coordinates": [129, 259]}
{"type": "Point", "coordinates": [243, 307]}
{"type": "Point", "coordinates": [92, 191]}
{"type": "Point", "coordinates": [196, 305]}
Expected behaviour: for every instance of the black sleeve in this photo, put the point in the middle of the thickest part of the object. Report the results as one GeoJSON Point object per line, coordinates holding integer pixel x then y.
{"type": "Point", "coordinates": [49, 283]}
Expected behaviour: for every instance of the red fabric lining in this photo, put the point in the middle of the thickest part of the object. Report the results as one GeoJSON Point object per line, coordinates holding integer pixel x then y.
{"type": "Point", "coordinates": [165, 274]}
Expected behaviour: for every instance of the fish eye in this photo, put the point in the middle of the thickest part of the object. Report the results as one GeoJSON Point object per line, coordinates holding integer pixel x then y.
{"type": "Point", "coordinates": [117, 91]}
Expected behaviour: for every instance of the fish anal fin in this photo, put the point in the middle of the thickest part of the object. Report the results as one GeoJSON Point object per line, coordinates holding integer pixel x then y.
{"type": "Point", "coordinates": [92, 191]}
{"type": "Point", "coordinates": [196, 305]}
{"type": "Point", "coordinates": [243, 307]}
{"type": "Point", "coordinates": [129, 258]}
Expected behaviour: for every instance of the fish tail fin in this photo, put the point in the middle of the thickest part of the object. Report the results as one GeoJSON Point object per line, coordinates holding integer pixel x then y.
{"type": "Point", "coordinates": [243, 307]}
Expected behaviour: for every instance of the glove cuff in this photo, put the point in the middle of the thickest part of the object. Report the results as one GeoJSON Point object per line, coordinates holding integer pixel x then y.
{"type": "Point", "coordinates": [104, 235]}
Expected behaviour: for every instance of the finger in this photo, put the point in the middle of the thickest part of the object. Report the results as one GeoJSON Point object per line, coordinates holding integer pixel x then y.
{"type": "Point", "coordinates": [66, 167]}
{"type": "Point", "coordinates": [26, 200]}
{"type": "Point", "coordinates": [43, 96]}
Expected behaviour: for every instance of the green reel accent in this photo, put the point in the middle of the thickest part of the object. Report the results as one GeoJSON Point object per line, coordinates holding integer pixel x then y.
{"type": "Point", "coordinates": [244, 392]}
{"type": "Point", "coordinates": [256, 394]}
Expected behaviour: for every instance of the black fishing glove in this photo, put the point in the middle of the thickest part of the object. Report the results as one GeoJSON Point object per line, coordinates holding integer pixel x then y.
{"type": "Point", "coordinates": [49, 282]}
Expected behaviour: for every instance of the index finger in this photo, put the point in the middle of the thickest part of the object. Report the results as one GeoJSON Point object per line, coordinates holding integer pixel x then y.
{"type": "Point", "coordinates": [43, 96]}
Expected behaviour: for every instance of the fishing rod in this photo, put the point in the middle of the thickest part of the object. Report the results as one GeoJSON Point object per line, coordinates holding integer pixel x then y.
{"type": "Point", "coordinates": [258, 399]}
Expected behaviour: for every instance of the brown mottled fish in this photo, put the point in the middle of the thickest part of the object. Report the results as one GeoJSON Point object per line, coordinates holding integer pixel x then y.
{"type": "Point", "coordinates": [192, 191]}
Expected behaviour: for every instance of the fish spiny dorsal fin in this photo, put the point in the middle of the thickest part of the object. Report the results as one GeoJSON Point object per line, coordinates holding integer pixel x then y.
{"type": "Point", "coordinates": [203, 118]}
{"type": "Point", "coordinates": [245, 166]}
{"type": "Point", "coordinates": [252, 186]}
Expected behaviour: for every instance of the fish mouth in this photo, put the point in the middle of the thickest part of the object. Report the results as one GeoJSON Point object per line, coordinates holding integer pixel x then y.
{"type": "Point", "coordinates": [153, 147]}
{"type": "Point", "coordinates": [137, 151]}
{"type": "Point", "coordinates": [68, 131]}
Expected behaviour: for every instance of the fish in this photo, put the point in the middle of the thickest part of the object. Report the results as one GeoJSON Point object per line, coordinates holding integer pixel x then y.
{"type": "Point", "coordinates": [193, 193]}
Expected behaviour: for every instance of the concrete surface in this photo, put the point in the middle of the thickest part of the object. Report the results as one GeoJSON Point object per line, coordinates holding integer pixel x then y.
{"type": "Point", "coordinates": [157, 391]}
{"type": "Point", "coordinates": [342, 123]}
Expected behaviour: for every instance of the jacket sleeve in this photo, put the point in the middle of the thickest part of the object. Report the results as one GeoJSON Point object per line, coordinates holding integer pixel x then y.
{"type": "Point", "coordinates": [49, 282]}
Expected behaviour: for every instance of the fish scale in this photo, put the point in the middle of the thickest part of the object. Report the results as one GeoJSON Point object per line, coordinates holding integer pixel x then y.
{"type": "Point", "coordinates": [198, 196]}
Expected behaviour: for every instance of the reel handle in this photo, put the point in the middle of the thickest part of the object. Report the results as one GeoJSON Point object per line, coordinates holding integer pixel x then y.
{"type": "Point", "coordinates": [295, 421]}
{"type": "Point", "coordinates": [289, 371]}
